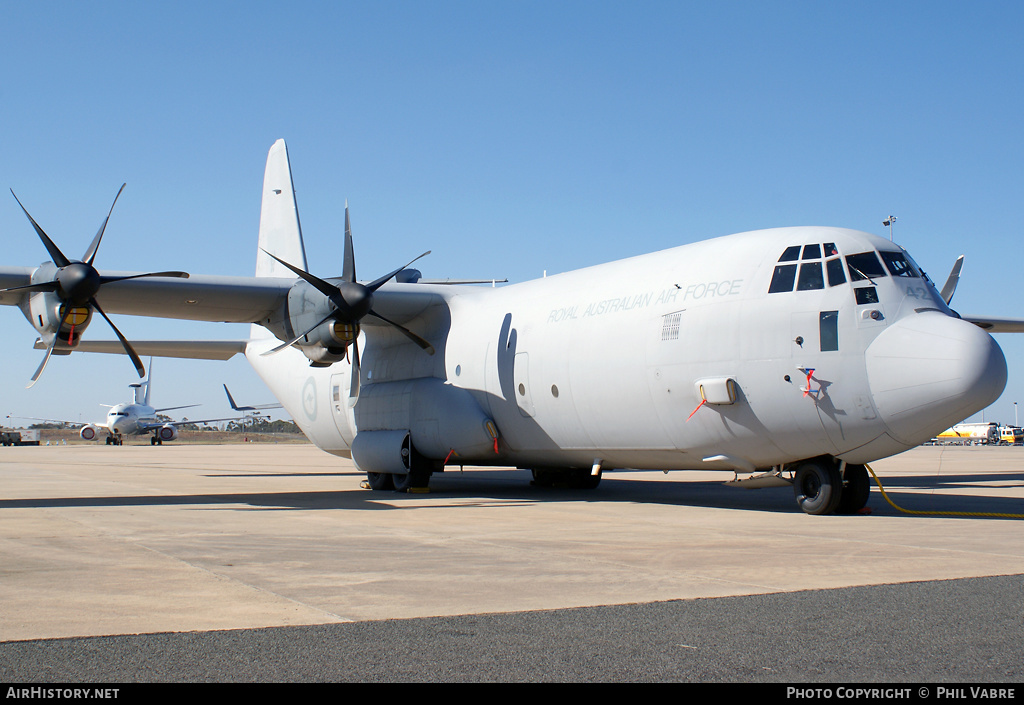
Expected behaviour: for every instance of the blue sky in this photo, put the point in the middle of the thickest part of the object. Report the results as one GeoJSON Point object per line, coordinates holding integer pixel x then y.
{"type": "Point", "coordinates": [508, 137]}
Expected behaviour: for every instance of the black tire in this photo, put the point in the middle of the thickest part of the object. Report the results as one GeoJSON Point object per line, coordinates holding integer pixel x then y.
{"type": "Point", "coordinates": [381, 481]}
{"type": "Point", "coordinates": [818, 487]}
{"type": "Point", "coordinates": [582, 479]}
{"type": "Point", "coordinates": [543, 477]}
{"type": "Point", "coordinates": [415, 479]}
{"type": "Point", "coordinates": [568, 478]}
{"type": "Point", "coordinates": [856, 488]}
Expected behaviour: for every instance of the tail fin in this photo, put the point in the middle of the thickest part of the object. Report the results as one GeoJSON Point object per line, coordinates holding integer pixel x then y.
{"type": "Point", "coordinates": [231, 400]}
{"type": "Point", "coordinates": [280, 232]}
{"type": "Point", "coordinates": [140, 396]}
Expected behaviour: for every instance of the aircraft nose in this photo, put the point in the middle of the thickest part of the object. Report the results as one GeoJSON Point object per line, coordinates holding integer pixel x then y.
{"type": "Point", "coordinates": [929, 371]}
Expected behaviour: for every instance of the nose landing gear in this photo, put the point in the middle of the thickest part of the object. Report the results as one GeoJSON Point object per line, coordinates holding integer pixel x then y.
{"type": "Point", "coordinates": [821, 488]}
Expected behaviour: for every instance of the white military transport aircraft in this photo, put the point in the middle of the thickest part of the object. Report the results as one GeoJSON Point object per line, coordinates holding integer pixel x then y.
{"type": "Point", "coordinates": [792, 355]}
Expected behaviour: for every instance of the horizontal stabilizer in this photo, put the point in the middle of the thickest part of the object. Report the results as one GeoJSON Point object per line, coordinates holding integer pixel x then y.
{"type": "Point", "coordinates": [997, 324]}
{"type": "Point", "coordinates": [492, 282]}
{"type": "Point", "coordinates": [191, 349]}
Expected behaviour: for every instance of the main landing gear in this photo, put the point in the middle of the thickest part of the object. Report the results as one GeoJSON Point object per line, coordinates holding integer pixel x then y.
{"type": "Point", "coordinates": [572, 478]}
{"type": "Point", "coordinates": [418, 477]}
{"type": "Point", "coordinates": [821, 487]}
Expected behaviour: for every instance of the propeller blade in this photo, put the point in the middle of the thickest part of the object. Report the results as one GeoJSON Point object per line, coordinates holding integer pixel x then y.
{"type": "Point", "coordinates": [387, 277]}
{"type": "Point", "coordinates": [353, 387]}
{"type": "Point", "coordinates": [62, 313]}
{"type": "Point", "coordinates": [954, 277]}
{"type": "Point", "coordinates": [178, 275]}
{"type": "Point", "coordinates": [42, 365]}
{"type": "Point", "coordinates": [90, 254]}
{"type": "Point", "coordinates": [407, 333]}
{"type": "Point", "coordinates": [55, 254]}
{"type": "Point", "coordinates": [124, 341]}
{"type": "Point", "coordinates": [299, 337]}
{"type": "Point", "coordinates": [348, 272]}
{"type": "Point", "coordinates": [325, 288]}
{"type": "Point", "coordinates": [43, 286]}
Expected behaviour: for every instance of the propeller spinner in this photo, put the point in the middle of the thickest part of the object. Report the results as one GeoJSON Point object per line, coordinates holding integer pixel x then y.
{"type": "Point", "coordinates": [352, 302]}
{"type": "Point", "coordinates": [76, 284]}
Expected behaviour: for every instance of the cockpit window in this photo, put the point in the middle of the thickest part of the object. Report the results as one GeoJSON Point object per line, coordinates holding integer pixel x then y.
{"type": "Point", "coordinates": [782, 280]}
{"type": "Point", "coordinates": [898, 265]}
{"type": "Point", "coordinates": [864, 265]}
{"type": "Point", "coordinates": [791, 254]}
{"type": "Point", "coordinates": [810, 276]}
{"type": "Point", "coordinates": [811, 273]}
{"type": "Point", "coordinates": [834, 267]}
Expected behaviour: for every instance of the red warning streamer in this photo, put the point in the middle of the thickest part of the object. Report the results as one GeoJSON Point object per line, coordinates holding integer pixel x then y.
{"type": "Point", "coordinates": [702, 403]}
{"type": "Point", "coordinates": [810, 371]}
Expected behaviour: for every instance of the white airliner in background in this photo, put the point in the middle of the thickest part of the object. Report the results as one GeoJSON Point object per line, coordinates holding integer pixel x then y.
{"type": "Point", "coordinates": [792, 355]}
{"type": "Point", "coordinates": [136, 418]}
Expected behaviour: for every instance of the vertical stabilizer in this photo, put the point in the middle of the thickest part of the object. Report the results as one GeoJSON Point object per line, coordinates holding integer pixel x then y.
{"type": "Point", "coordinates": [142, 397]}
{"type": "Point", "coordinates": [280, 232]}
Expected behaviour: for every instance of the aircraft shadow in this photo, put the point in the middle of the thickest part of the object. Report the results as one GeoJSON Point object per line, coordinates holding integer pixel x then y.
{"type": "Point", "coordinates": [509, 489]}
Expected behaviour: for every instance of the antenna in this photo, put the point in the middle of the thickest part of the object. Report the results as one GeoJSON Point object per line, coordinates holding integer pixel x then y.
{"type": "Point", "coordinates": [888, 223]}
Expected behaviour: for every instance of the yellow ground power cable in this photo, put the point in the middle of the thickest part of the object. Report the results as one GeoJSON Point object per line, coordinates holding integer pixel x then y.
{"type": "Point", "coordinates": [948, 514]}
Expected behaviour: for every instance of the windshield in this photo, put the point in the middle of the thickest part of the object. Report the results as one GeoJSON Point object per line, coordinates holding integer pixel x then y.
{"type": "Point", "coordinates": [864, 265]}
{"type": "Point", "coordinates": [898, 265]}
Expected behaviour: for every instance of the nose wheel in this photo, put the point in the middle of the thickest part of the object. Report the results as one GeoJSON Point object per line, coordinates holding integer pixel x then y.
{"type": "Point", "coordinates": [820, 488]}
{"type": "Point", "coordinates": [817, 486]}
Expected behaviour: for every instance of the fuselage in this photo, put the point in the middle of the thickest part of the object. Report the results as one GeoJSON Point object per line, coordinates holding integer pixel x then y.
{"type": "Point", "coordinates": [131, 419]}
{"type": "Point", "coordinates": [799, 342]}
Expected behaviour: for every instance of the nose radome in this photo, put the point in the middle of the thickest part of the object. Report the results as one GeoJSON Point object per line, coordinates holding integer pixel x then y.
{"type": "Point", "coordinates": [929, 371]}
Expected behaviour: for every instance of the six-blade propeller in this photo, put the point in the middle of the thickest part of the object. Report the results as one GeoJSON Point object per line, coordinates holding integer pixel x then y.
{"type": "Point", "coordinates": [76, 284]}
{"type": "Point", "coordinates": [352, 302]}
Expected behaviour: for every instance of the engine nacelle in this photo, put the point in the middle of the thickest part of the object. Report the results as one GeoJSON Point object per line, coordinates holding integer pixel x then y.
{"type": "Point", "coordinates": [167, 432]}
{"type": "Point", "coordinates": [89, 432]}
{"type": "Point", "coordinates": [42, 309]}
{"type": "Point", "coordinates": [329, 341]}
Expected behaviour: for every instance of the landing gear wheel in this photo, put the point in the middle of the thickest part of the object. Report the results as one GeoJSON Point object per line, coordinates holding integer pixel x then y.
{"type": "Point", "coordinates": [571, 478]}
{"type": "Point", "coordinates": [380, 480]}
{"type": "Point", "coordinates": [582, 479]}
{"type": "Point", "coordinates": [543, 477]}
{"type": "Point", "coordinates": [416, 479]}
{"type": "Point", "coordinates": [856, 488]}
{"type": "Point", "coordinates": [817, 487]}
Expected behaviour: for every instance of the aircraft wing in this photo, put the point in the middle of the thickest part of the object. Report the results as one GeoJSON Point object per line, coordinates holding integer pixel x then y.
{"type": "Point", "coordinates": [14, 276]}
{"type": "Point", "coordinates": [997, 324]}
{"type": "Point", "coordinates": [246, 299]}
{"type": "Point", "coordinates": [198, 298]}
{"type": "Point", "coordinates": [257, 407]}
{"type": "Point", "coordinates": [222, 298]}
{"type": "Point", "coordinates": [74, 424]}
{"type": "Point", "coordinates": [158, 424]}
